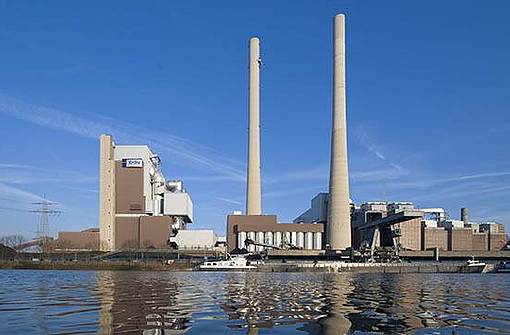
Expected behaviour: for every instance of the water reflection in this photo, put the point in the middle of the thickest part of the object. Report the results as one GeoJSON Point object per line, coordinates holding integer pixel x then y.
{"type": "Point", "coordinates": [145, 303]}
{"type": "Point", "coordinates": [251, 303]}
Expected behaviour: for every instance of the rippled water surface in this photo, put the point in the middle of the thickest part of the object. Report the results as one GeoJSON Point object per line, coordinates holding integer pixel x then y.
{"type": "Point", "coordinates": [56, 302]}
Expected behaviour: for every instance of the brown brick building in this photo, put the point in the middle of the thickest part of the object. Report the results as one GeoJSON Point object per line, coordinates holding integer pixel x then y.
{"type": "Point", "coordinates": [138, 207]}
{"type": "Point", "coordinates": [79, 240]}
{"type": "Point", "coordinates": [265, 229]}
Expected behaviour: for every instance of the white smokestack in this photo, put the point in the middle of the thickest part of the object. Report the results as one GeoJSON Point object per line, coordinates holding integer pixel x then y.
{"type": "Point", "coordinates": [253, 193]}
{"type": "Point", "coordinates": [338, 232]}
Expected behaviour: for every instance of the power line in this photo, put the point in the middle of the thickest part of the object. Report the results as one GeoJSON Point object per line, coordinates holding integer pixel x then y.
{"type": "Point", "coordinates": [46, 209]}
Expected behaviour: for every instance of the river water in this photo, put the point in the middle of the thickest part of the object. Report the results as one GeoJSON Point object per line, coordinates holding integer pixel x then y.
{"type": "Point", "coordinates": [107, 302]}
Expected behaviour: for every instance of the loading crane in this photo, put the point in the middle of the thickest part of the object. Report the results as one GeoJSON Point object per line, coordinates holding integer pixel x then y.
{"type": "Point", "coordinates": [283, 245]}
{"type": "Point", "coordinates": [373, 252]}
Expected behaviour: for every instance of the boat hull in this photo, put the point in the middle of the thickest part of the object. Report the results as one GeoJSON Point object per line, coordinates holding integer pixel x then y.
{"type": "Point", "coordinates": [230, 269]}
{"type": "Point", "coordinates": [473, 268]}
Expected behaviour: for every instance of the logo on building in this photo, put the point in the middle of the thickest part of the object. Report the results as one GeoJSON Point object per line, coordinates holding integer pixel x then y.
{"type": "Point", "coordinates": [132, 162]}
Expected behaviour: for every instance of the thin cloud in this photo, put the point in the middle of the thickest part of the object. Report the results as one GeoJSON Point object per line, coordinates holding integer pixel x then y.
{"type": "Point", "coordinates": [182, 149]}
{"type": "Point", "coordinates": [315, 173]}
{"type": "Point", "coordinates": [14, 194]}
{"type": "Point", "coordinates": [230, 201]}
{"type": "Point", "coordinates": [362, 137]}
{"type": "Point", "coordinates": [26, 174]}
{"type": "Point", "coordinates": [278, 193]}
{"type": "Point", "coordinates": [463, 191]}
{"type": "Point", "coordinates": [424, 183]}
{"type": "Point", "coordinates": [321, 173]}
{"type": "Point", "coordinates": [375, 175]}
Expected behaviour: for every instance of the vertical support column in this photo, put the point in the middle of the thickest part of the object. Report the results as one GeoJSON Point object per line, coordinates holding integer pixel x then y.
{"type": "Point", "coordinates": [106, 194]}
{"type": "Point", "coordinates": [241, 237]}
{"type": "Point", "coordinates": [252, 236]}
{"type": "Point", "coordinates": [309, 240]}
{"type": "Point", "coordinates": [260, 239]}
{"type": "Point", "coordinates": [253, 188]}
{"type": "Point", "coordinates": [288, 237]}
{"type": "Point", "coordinates": [270, 238]}
{"type": "Point", "coordinates": [317, 243]}
{"type": "Point", "coordinates": [278, 239]}
{"type": "Point", "coordinates": [338, 230]}
{"type": "Point", "coordinates": [300, 240]}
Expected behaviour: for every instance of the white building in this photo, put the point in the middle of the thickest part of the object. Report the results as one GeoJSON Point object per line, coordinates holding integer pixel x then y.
{"type": "Point", "coordinates": [138, 207]}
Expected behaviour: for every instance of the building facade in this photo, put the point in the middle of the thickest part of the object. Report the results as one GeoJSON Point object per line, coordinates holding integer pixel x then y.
{"type": "Point", "coordinates": [400, 223]}
{"type": "Point", "coordinates": [138, 207]}
{"type": "Point", "coordinates": [267, 233]}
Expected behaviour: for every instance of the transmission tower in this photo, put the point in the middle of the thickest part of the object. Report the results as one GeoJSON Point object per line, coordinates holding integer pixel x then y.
{"type": "Point", "coordinates": [45, 209]}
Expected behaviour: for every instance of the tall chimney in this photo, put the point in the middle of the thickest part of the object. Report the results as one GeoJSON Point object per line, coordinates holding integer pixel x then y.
{"type": "Point", "coordinates": [464, 215]}
{"type": "Point", "coordinates": [253, 194]}
{"type": "Point", "coordinates": [338, 230]}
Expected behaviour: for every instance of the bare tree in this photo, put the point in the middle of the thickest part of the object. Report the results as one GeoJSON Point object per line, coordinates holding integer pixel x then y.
{"type": "Point", "coordinates": [12, 240]}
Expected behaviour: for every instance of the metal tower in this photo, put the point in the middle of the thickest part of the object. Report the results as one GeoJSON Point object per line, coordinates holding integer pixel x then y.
{"type": "Point", "coordinates": [45, 210]}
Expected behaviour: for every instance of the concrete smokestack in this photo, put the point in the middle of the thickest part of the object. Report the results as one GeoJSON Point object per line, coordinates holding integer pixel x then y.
{"type": "Point", "coordinates": [253, 193]}
{"type": "Point", "coordinates": [339, 219]}
{"type": "Point", "coordinates": [464, 215]}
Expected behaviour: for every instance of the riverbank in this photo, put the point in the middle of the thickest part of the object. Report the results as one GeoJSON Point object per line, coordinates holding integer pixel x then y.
{"type": "Point", "coordinates": [268, 267]}
{"type": "Point", "coordinates": [97, 265]}
{"type": "Point", "coordinates": [419, 267]}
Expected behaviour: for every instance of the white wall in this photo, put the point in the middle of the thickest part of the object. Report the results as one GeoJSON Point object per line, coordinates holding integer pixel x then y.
{"type": "Point", "coordinates": [197, 239]}
{"type": "Point", "coordinates": [178, 204]}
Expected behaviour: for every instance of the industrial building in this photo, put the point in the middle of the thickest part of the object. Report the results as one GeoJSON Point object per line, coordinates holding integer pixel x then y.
{"type": "Point", "coordinates": [333, 222]}
{"type": "Point", "coordinates": [87, 239]}
{"type": "Point", "coordinates": [333, 230]}
{"type": "Point", "coordinates": [266, 232]}
{"type": "Point", "coordinates": [402, 225]}
{"type": "Point", "coordinates": [138, 207]}
{"type": "Point", "coordinates": [204, 239]}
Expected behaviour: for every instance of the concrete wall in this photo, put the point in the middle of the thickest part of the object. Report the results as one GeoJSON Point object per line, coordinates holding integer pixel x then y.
{"type": "Point", "coordinates": [88, 240]}
{"type": "Point", "coordinates": [460, 239]}
{"type": "Point", "coordinates": [179, 204]}
{"type": "Point", "coordinates": [142, 232]}
{"type": "Point", "coordinates": [318, 211]}
{"type": "Point", "coordinates": [435, 238]}
{"type": "Point", "coordinates": [129, 190]}
{"type": "Point", "coordinates": [154, 231]}
{"type": "Point", "coordinates": [126, 233]}
{"type": "Point", "coordinates": [480, 241]}
{"type": "Point", "coordinates": [106, 193]}
{"type": "Point", "coordinates": [143, 152]}
{"type": "Point", "coordinates": [497, 241]}
{"type": "Point", "coordinates": [200, 239]}
{"type": "Point", "coordinates": [411, 234]}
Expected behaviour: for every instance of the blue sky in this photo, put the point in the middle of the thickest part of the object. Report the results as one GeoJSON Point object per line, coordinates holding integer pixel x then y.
{"type": "Point", "coordinates": [427, 102]}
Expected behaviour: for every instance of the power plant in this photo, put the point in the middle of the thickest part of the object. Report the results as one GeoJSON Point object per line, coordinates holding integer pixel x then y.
{"type": "Point", "coordinates": [264, 229]}
{"type": "Point", "coordinates": [139, 208]}
{"type": "Point", "coordinates": [334, 223]}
